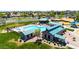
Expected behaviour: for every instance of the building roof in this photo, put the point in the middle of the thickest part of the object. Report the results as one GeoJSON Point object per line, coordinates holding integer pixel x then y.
{"type": "Point", "coordinates": [31, 28]}
{"type": "Point", "coordinates": [68, 19]}
{"type": "Point", "coordinates": [55, 23]}
{"type": "Point", "coordinates": [28, 32]}
{"type": "Point", "coordinates": [59, 36]}
{"type": "Point", "coordinates": [52, 27]}
{"type": "Point", "coordinates": [56, 31]}
{"type": "Point", "coordinates": [53, 32]}
{"type": "Point", "coordinates": [43, 19]}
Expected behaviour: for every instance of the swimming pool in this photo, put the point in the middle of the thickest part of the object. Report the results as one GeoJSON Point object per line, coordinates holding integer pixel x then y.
{"type": "Point", "coordinates": [33, 27]}
{"type": "Point", "coordinates": [29, 29]}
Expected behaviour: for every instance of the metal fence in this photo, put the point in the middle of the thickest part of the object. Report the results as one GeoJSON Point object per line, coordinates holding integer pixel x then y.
{"type": "Point", "coordinates": [16, 20]}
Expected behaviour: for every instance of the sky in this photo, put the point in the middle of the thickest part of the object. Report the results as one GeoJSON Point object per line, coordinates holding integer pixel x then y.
{"type": "Point", "coordinates": [38, 5]}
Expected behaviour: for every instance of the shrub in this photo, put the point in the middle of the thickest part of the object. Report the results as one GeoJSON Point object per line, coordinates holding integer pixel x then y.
{"type": "Point", "coordinates": [69, 29]}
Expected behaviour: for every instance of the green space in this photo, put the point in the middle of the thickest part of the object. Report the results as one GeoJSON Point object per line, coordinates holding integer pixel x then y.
{"type": "Point", "coordinates": [33, 45]}
{"type": "Point", "coordinates": [5, 44]}
{"type": "Point", "coordinates": [69, 29]}
{"type": "Point", "coordinates": [5, 37]}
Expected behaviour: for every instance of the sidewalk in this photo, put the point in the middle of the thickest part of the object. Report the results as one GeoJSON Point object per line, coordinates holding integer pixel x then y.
{"type": "Point", "coordinates": [75, 47]}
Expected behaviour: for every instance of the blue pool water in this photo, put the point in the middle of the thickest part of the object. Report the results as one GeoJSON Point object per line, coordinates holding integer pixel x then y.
{"type": "Point", "coordinates": [30, 29]}
{"type": "Point", "coordinates": [42, 28]}
{"type": "Point", "coordinates": [34, 27]}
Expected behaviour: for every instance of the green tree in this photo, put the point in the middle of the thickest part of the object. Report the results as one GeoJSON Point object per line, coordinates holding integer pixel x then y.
{"type": "Point", "coordinates": [2, 14]}
{"type": "Point", "coordinates": [24, 14]}
{"type": "Point", "coordinates": [61, 14]}
{"type": "Point", "coordinates": [37, 33]}
{"type": "Point", "coordinates": [77, 15]}
{"type": "Point", "coordinates": [77, 18]}
{"type": "Point", "coordinates": [52, 13]}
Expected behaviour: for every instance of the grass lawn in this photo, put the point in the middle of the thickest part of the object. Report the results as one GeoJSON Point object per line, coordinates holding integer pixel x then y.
{"type": "Point", "coordinates": [32, 45]}
{"type": "Point", "coordinates": [22, 18]}
{"type": "Point", "coordinates": [69, 29]}
{"type": "Point", "coordinates": [5, 44]}
{"type": "Point", "coordinates": [5, 37]}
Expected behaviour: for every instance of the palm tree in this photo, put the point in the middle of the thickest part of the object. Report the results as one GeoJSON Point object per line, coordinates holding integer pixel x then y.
{"type": "Point", "coordinates": [37, 33]}
{"type": "Point", "coordinates": [61, 14]}
{"type": "Point", "coordinates": [52, 13]}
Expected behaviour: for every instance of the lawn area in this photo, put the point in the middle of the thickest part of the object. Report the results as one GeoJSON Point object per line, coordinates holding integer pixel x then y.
{"type": "Point", "coordinates": [69, 29]}
{"type": "Point", "coordinates": [24, 18]}
{"type": "Point", "coordinates": [32, 45]}
{"type": "Point", "coordinates": [6, 37]}
{"type": "Point", "coordinates": [7, 43]}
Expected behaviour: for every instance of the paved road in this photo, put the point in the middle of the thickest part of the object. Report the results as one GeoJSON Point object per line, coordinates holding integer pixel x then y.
{"type": "Point", "coordinates": [69, 38]}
